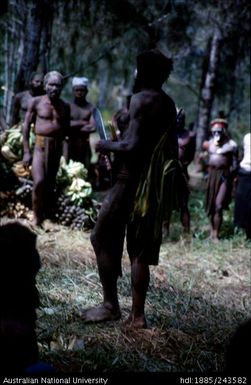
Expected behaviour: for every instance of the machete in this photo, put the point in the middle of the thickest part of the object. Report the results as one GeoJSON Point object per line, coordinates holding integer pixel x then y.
{"type": "Point", "coordinates": [100, 127]}
{"type": "Point", "coordinates": [99, 123]}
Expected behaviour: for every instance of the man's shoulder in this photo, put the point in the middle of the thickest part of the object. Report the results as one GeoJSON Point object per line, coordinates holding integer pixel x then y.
{"type": "Point", "coordinates": [37, 99]}
{"type": "Point", "coordinates": [150, 95]}
{"type": "Point", "coordinates": [22, 95]}
{"type": "Point", "coordinates": [64, 103]}
{"type": "Point", "coordinates": [233, 143]}
{"type": "Point", "coordinates": [87, 106]}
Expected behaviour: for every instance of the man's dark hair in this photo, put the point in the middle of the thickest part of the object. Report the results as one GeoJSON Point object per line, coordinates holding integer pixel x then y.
{"type": "Point", "coordinates": [33, 74]}
{"type": "Point", "coordinates": [154, 66]}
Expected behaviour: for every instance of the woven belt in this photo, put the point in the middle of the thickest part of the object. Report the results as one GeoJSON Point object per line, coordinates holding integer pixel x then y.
{"type": "Point", "coordinates": [40, 141]}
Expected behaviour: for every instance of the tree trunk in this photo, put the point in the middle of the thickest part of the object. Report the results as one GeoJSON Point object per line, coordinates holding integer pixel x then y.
{"type": "Point", "coordinates": [37, 33]}
{"type": "Point", "coordinates": [103, 82]}
{"type": "Point", "coordinates": [208, 90]}
{"type": "Point", "coordinates": [32, 37]}
{"type": "Point", "coordinates": [13, 49]}
{"type": "Point", "coordinates": [46, 38]}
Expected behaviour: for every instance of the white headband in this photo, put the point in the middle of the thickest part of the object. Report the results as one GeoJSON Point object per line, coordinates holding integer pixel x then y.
{"type": "Point", "coordinates": [80, 82]}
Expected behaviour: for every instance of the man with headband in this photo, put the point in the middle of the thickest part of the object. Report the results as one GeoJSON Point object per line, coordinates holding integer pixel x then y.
{"type": "Point", "coordinates": [51, 117]}
{"type": "Point", "coordinates": [77, 147]}
{"type": "Point", "coordinates": [222, 167]}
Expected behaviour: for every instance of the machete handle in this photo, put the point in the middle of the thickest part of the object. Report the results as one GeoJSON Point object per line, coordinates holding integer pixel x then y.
{"type": "Point", "coordinates": [107, 163]}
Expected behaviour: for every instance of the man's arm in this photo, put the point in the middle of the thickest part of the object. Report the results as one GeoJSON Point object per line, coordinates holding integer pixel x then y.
{"type": "Point", "coordinates": [235, 161]}
{"type": "Point", "coordinates": [131, 138]}
{"type": "Point", "coordinates": [88, 125]}
{"type": "Point", "coordinates": [29, 118]}
{"type": "Point", "coordinates": [81, 125]}
{"type": "Point", "coordinates": [191, 148]}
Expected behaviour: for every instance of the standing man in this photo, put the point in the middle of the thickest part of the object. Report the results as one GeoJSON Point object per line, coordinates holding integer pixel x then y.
{"type": "Point", "coordinates": [150, 138]}
{"type": "Point", "coordinates": [51, 117]}
{"type": "Point", "coordinates": [82, 124]}
{"type": "Point", "coordinates": [187, 146]}
{"type": "Point", "coordinates": [222, 168]}
{"type": "Point", "coordinates": [22, 99]}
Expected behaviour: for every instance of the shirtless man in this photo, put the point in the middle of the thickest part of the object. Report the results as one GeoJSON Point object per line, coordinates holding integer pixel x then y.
{"type": "Point", "coordinates": [222, 167]}
{"type": "Point", "coordinates": [22, 99]}
{"type": "Point", "coordinates": [51, 117]}
{"type": "Point", "coordinates": [187, 146]}
{"type": "Point", "coordinates": [152, 123]}
{"type": "Point", "coordinates": [77, 147]}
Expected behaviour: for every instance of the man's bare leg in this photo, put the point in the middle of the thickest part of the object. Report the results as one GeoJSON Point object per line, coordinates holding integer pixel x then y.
{"type": "Point", "coordinates": [38, 188]}
{"type": "Point", "coordinates": [37, 204]}
{"type": "Point", "coordinates": [109, 310]}
{"type": "Point", "coordinates": [140, 277]}
{"type": "Point", "coordinates": [216, 220]}
{"type": "Point", "coordinates": [185, 219]}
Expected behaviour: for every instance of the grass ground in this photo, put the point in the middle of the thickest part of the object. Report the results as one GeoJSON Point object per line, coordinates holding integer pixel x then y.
{"type": "Point", "coordinates": [199, 293]}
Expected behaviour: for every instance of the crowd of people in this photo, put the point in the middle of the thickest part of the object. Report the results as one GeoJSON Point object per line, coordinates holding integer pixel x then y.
{"type": "Point", "coordinates": [62, 128]}
{"type": "Point", "coordinates": [152, 151]}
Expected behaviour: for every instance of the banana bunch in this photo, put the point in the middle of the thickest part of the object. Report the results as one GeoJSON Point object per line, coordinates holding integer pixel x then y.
{"type": "Point", "coordinates": [12, 147]}
{"type": "Point", "coordinates": [76, 170]}
{"type": "Point", "coordinates": [78, 191]}
{"type": "Point", "coordinates": [21, 171]}
{"type": "Point", "coordinates": [8, 153]}
{"type": "Point", "coordinates": [68, 171]}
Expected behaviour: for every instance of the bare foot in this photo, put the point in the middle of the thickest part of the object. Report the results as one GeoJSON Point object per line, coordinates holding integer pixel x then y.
{"type": "Point", "coordinates": [136, 322]}
{"type": "Point", "coordinates": [99, 314]}
{"type": "Point", "coordinates": [215, 240]}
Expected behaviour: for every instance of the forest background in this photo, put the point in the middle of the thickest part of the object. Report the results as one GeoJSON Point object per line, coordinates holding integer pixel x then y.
{"type": "Point", "coordinates": [208, 41]}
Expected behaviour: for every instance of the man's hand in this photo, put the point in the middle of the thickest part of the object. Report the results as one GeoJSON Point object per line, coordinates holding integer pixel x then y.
{"type": "Point", "coordinates": [101, 146]}
{"type": "Point", "coordinates": [27, 159]}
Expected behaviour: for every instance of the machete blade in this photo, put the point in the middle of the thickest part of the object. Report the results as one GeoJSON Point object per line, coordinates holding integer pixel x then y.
{"type": "Point", "coordinates": [100, 127]}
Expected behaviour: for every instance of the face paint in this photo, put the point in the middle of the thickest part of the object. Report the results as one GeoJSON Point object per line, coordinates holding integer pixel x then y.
{"type": "Point", "coordinates": [53, 87]}
{"type": "Point", "coordinates": [217, 134]}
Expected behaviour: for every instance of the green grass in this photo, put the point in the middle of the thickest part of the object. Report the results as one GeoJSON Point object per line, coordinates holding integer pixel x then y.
{"type": "Point", "coordinates": [199, 293]}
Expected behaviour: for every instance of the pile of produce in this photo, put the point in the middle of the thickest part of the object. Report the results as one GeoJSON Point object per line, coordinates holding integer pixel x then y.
{"type": "Point", "coordinates": [11, 143]}
{"type": "Point", "coordinates": [75, 206]}
{"type": "Point", "coordinates": [15, 195]}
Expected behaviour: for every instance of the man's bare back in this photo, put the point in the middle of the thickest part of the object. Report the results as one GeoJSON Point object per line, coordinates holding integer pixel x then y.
{"type": "Point", "coordinates": [151, 113]}
{"type": "Point", "coordinates": [152, 118]}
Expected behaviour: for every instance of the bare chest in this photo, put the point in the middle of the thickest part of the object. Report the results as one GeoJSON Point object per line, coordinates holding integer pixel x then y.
{"type": "Point", "coordinates": [80, 113]}
{"type": "Point", "coordinates": [47, 111]}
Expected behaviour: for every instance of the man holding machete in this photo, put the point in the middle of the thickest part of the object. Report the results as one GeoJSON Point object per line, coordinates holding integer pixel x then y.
{"type": "Point", "coordinates": [148, 152]}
